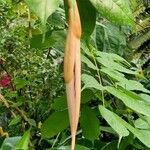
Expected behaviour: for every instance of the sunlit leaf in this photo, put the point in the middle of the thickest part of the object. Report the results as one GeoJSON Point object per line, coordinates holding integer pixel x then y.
{"type": "Point", "coordinates": [131, 100]}
{"type": "Point", "coordinates": [142, 135]}
{"type": "Point", "coordinates": [115, 66]}
{"type": "Point", "coordinates": [43, 8]}
{"type": "Point", "coordinates": [91, 82]}
{"type": "Point", "coordinates": [143, 123]}
{"type": "Point", "coordinates": [114, 121]}
{"type": "Point", "coordinates": [117, 11]}
{"type": "Point", "coordinates": [132, 85]}
{"type": "Point", "coordinates": [23, 143]}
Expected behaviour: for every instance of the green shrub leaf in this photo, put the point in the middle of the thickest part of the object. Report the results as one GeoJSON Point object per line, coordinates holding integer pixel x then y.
{"type": "Point", "coordinates": [23, 143]}
{"type": "Point", "coordinates": [131, 100]}
{"type": "Point", "coordinates": [114, 121]}
{"type": "Point", "coordinates": [43, 8]}
{"type": "Point", "coordinates": [55, 123]}
{"type": "Point", "coordinates": [89, 124]}
{"type": "Point", "coordinates": [118, 11]}
{"type": "Point", "coordinates": [91, 82]}
{"type": "Point", "coordinates": [87, 16]}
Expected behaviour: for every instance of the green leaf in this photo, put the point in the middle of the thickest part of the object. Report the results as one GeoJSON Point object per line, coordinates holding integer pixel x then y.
{"type": "Point", "coordinates": [15, 121]}
{"type": "Point", "coordinates": [114, 121]}
{"type": "Point", "coordinates": [113, 74]}
{"type": "Point", "coordinates": [90, 82]}
{"type": "Point", "coordinates": [117, 11]}
{"type": "Point", "coordinates": [51, 40]}
{"type": "Point", "coordinates": [23, 143]}
{"type": "Point", "coordinates": [112, 65]}
{"type": "Point", "coordinates": [60, 103]}
{"type": "Point", "coordinates": [143, 123]}
{"type": "Point", "coordinates": [145, 97]}
{"type": "Point", "coordinates": [10, 143]}
{"type": "Point", "coordinates": [88, 62]}
{"type": "Point", "coordinates": [89, 124]}
{"type": "Point", "coordinates": [131, 100]}
{"type": "Point", "coordinates": [126, 142]}
{"type": "Point", "coordinates": [112, 57]}
{"type": "Point", "coordinates": [43, 8]}
{"type": "Point", "coordinates": [142, 135]}
{"type": "Point", "coordinates": [21, 83]}
{"type": "Point", "coordinates": [55, 123]}
{"type": "Point", "coordinates": [11, 94]}
{"type": "Point", "coordinates": [132, 85]}
{"type": "Point", "coordinates": [107, 129]}
{"type": "Point", "coordinates": [86, 95]}
{"type": "Point", "coordinates": [87, 16]}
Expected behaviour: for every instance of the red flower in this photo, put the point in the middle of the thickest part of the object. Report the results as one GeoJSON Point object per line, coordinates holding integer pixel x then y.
{"type": "Point", "coordinates": [5, 80]}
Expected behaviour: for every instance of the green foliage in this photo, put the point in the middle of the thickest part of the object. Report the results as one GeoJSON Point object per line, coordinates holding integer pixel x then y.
{"type": "Point", "coordinates": [10, 143]}
{"type": "Point", "coordinates": [56, 123]}
{"type": "Point", "coordinates": [89, 124]}
{"type": "Point", "coordinates": [118, 12]}
{"type": "Point", "coordinates": [88, 17]}
{"type": "Point", "coordinates": [43, 8]}
{"type": "Point", "coordinates": [114, 122]}
{"type": "Point", "coordinates": [23, 143]}
{"type": "Point", "coordinates": [115, 101]}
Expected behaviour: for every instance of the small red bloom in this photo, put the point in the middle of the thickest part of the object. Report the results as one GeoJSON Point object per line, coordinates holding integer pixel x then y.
{"type": "Point", "coordinates": [5, 80]}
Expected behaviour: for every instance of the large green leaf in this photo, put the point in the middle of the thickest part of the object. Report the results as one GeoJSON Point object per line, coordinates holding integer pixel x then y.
{"type": "Point", "coordinates": [142, 135]}
{"type": "Point", "coordinates": [114, 74]}
{"type": "Point", "coordinates": [114, 121]}
{"type": "Point", "coordinates": [117, 11]}
{"type": "Point", "coordinates": [88, 17]}
{"type": "Point", "coordinates": [55, 123]}
{"type": "Point", "coordinates": [132, 85]}
{"type": "Point", "coordinates": [112, 57]}
{"type": "Point", "coordinates": [89, 124]}
{"type": "Point", "coordinates": [112, 65]}
{"type": "Point", "coordinates": [10, 143]}
{"type": "Point", "coordinates": [43, 8]}
{"type": "Point", "coordinates": [110, 38]}
{"type": "Point", "coordinates": [23, 143]}
{"type": "Point", "coordinates": [131, 100]}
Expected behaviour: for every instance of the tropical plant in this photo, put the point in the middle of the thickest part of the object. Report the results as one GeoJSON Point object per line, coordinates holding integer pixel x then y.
{"type": "Point", "coordinates": [115, 106]}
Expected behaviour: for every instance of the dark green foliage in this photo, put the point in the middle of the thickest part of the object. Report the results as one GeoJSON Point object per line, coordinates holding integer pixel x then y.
{"type": "Point", "coordinates": [115, 101]}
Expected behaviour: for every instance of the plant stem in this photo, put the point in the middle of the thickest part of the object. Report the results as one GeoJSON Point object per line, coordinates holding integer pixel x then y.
{"type": "Point", "coordinates": [98, 73]}
{"type": "Point", "coordinates": [55, 140]}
